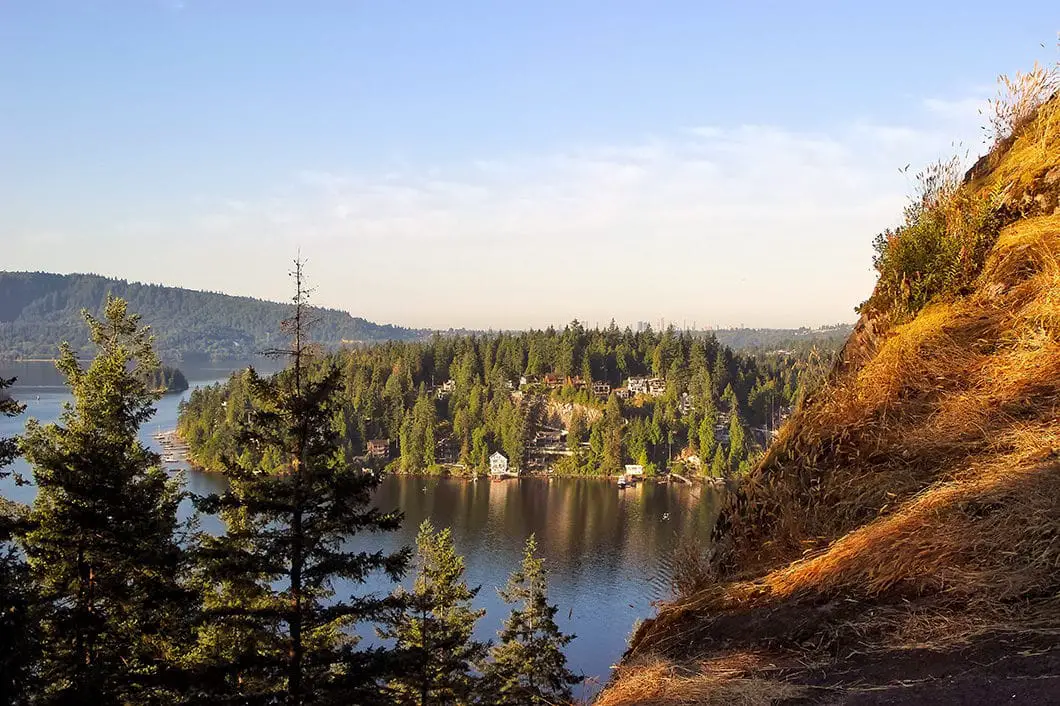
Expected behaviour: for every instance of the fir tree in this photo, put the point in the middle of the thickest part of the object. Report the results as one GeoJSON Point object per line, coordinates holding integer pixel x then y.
{"type": "Point", "coordinates": [291, 545]}
{"type": "Point", "coordinates": [708, 440]}
{"type": "Point", "coordinates": [719, 467]}
{"type": "Point", "coordinates": [101, 542]}
{"type": "Point", "coordinates": [434, 630]}
{"type": "Point", "coordinates": [528, 667]}
{"type": "Point", "coordinates": [738, 441]}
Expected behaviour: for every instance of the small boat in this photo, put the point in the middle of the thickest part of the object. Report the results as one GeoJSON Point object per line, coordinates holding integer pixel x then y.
{"type": "Point", "coordinates": [170, 459]}
{"type": "Point", "coordinates": [622, 483]}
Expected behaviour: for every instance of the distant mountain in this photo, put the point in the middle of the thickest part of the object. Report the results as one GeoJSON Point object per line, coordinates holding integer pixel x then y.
{"type": "Point", "coordinates": [39, 309]}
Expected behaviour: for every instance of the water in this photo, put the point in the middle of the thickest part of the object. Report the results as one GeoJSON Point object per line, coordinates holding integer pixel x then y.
{"type": "Point", "coordinates": [607, 550]}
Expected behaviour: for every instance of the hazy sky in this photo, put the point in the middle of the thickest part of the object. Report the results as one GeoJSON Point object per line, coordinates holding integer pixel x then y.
{"type": "Point", "coordinates": [490, 164]}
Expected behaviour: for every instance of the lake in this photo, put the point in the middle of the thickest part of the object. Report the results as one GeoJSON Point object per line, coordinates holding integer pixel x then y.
{"type": "Point", "coordinates": [607, 550]}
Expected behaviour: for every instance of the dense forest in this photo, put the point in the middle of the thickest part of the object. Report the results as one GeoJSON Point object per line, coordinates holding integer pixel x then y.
{"type": "Point", "coordinates": [577, 401]}
{"type": "Point", "coordinates": [107, 598]}
{"type": "Point", "coordinates": [38, 309]}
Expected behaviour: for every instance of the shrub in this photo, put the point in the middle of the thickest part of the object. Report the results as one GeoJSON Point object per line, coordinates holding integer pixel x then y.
{"type": "Point", "coordinates": [940, 247]}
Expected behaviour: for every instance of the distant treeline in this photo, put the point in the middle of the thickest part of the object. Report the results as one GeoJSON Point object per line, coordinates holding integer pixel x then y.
{"type": "Point", "coordinates": [38, 309]}
{"type": "Point", "coordinates": [459, 399]}
{"type": "Point", "coordinates": [798, 340]}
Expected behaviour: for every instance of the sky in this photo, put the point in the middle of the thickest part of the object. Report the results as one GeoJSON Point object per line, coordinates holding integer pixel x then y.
{"type": "Point", "coordinates": [491, 164]}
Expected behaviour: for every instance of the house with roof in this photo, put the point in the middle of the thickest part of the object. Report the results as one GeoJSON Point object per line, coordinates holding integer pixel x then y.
{"type": "Point", "coordinates": [379, 448]}
{"type": "Point", "coordinates": [498, 464]}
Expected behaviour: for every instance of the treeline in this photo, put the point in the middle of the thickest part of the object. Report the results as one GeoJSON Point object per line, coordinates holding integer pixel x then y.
{"type": "Point", "coordinates": [456, 400]}
{"type": "Point", "coordinates": [37, 309]}
{"type": "Point", "coordinates": [106, 598]}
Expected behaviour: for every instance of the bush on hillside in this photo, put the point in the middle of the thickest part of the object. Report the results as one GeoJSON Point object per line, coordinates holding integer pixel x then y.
{"type": "Point", "coordinates": [940, 247]}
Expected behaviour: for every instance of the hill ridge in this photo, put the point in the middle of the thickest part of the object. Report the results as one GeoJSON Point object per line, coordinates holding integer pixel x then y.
{"type": "Point", "coordinates": [39, 308]}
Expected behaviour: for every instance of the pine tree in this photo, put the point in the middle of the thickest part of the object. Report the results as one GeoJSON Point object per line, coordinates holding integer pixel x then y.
{"type": "Point", "coordinates": [528, 667]}
{"type": "Point", "coordinates": [286, 626]}
{"type": "Point", "coordinates": [101, 544]}
{"type": "Point", "coordinates": [433, 632]}
{"type": "Point", "coordinates": [18, 631]}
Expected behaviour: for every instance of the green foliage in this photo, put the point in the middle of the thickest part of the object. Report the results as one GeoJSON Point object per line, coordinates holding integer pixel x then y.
{"type": "Point", "coordinates": [433, 630]}
{"type": "Point", "coordinates": [528, 666]}
{"type": "Point", "coordinates": [100, 546]}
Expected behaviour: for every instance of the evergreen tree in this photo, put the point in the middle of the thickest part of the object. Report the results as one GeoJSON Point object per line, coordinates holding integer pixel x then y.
{"type": "Point", "coordinates": [707, 436]}
{"type": "Point", "coordinates": [611, 460]}
{"type": "Point", "coordinates": [719, 467]}
{"type": "Point", "coordinates": [528, 667]}
{"type": "Point", "coordinates": [738, 440]}
{"type": "Point", "coordinates": [18, 630]}
{"type": "Point", "coordinates": [291, 545]}
{"type": "Point", "coordinates": [434, 630]}
{"type": "Point", "coordinates": [101, 542]}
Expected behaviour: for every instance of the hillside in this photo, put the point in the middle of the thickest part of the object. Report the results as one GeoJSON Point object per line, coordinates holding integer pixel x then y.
{"type": "Point", "coordinates": [37, 309]}
{"type": "Point", "coordinates": [900, 542]}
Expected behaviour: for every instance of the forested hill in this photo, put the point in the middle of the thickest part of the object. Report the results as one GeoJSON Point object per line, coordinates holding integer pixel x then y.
{"type": "Point", "coordinates": [38, 308]}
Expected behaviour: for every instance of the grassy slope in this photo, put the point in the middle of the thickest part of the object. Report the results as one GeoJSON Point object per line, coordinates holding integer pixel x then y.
{"type": "Point", "coordinates": [906, 526]}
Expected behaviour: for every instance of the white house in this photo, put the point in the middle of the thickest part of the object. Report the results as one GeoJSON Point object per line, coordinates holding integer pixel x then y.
{"type": "Point", "coordinates": [498, 464]}
{"type": "Point", "coordinates": [633, 469]}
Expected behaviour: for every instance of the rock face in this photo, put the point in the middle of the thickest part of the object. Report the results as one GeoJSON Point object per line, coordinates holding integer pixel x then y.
{"type": "Point", "coordinates": [913, 501]}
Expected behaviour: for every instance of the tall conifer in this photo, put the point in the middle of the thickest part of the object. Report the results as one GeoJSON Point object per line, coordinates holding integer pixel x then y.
{"type": "Point", "coordinates": [528, 667]}
{"type": "Point", "coordinates": [291, 544]}
{"type": "Point", "coordinates": [18, 630]}
{"type": "Point", "coordinates": [433, 631]}
{"type": "Point", "coordinates": [101, 544]}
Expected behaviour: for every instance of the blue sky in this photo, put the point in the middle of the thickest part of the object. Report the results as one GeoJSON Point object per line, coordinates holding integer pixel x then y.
{"type": "Point", "coordinates": [490, 163]}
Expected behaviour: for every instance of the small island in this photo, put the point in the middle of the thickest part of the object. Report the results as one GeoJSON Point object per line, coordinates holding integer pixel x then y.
{"type": "Point", "coordinates": [168, 379]}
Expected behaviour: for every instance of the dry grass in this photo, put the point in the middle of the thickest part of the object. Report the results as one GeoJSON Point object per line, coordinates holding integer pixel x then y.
{"type": "Point", "coordinates": [723, 682]}
{"type": "Point", "coordinates": [1018, 98]}
{"type": "Point", "coordinates": [922, 480]}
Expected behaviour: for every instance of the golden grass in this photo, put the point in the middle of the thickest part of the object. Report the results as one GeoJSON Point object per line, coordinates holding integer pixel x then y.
{"type": "Point", "coordinates": [923, 480]}
{"type": "Point", "coordinates": [723, 682]}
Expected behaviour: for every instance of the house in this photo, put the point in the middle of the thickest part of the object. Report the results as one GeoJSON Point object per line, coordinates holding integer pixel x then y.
{"type": "Point", "coordinates": [448, 386]}
{"type": "Point", "coordinates": [685, 405]}
{"type": "Point", "coordinates": [552, 380]}
{"type": "Point", "coordinates": [529, 380]}
{"type": "Point", "coordinates": [379, 448]}
{"type": "Point", "coordinates": [549, 437]}
{"type": "Point", "coordinates": [576, 382]}
{"type": "Point", "coordinates": [498, 464]}
{"type": "Point", "coordinates": [601, 388]}
{"type": "Point", "coordinates": [634, 469]}
{"type": "Point", "coordinates": [646, 386]}
{"type": "Point", "coordinates": [623, 393]}
{"type": "Point", "coordinates": [637, 385]}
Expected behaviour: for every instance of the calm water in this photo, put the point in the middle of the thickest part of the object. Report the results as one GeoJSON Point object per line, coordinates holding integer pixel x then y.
{"type": "Point", "coordinates": [607, 550]}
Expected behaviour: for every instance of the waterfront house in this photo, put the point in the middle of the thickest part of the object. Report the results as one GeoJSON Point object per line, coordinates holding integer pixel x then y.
{"type": "Point", "coordinates": [552, 380]}
{"type": "Point", "coordinates": [379, 448]}
{"type": "Point", "coordinates": [623, 393]}
{"type": "Point", "coordinates": [498, 464]}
